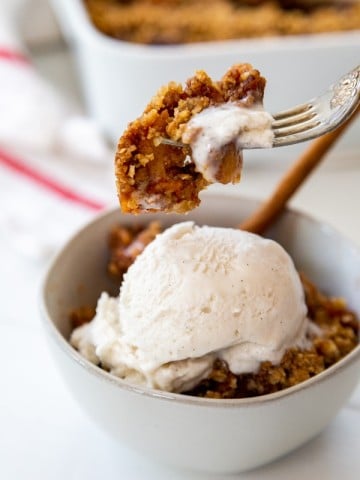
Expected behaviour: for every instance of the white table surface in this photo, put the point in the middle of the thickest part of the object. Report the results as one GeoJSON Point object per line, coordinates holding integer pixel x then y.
{"type": "Point", "coordinates": [45, 435]}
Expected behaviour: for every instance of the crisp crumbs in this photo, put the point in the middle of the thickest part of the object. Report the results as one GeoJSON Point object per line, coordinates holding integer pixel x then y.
{"type": "Point", "coordinates": [161, 22]}
{"type": "Point", "coordinates": [153, 176]}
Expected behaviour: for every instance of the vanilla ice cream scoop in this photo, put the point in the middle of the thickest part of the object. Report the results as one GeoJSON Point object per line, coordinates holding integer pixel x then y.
{"type": "Point", "coordinates": [218, 134]}
{"type": "Point", "coordinates": [196, 294]}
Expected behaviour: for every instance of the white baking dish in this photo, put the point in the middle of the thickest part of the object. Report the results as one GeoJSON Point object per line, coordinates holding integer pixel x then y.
{"type": "Point", "coordinates": [119, 77]}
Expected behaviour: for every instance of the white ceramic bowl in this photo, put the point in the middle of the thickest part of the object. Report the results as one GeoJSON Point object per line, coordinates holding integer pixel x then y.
{"type": "Point", "coordinates": [119, 78]}
{"type": "Point", "coordinates": [203, 434]}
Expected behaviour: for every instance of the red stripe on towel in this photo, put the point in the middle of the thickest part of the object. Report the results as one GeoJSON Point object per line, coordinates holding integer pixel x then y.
{"type": "Point", "coordinates": [13, 56]}
{"type": "Point", "coordinates": [48, 183]}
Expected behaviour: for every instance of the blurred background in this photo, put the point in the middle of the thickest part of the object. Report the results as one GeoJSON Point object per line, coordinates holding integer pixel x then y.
{"type": "Point", "coordinates": [67, 92]}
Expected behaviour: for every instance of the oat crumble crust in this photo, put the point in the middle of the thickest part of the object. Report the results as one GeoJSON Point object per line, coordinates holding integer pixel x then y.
{"type": "Point", "coordinates": [126, 244]}
{"type": "Point", "coordinates": [160, 22]}
{"type": "Point", "coordinates": [152, 176]}
{"type": "Point", "coordinates": [339, 326]}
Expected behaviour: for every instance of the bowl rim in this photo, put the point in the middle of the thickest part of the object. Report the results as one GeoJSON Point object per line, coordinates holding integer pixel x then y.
{"type": "Point", "coordinates": [105, 376]}
{"type": "Point", "coordinates": [87, 30]}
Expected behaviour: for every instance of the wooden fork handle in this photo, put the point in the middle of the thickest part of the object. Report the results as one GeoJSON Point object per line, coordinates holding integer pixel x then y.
{"type": "Point", "coordinates": [292, 180]}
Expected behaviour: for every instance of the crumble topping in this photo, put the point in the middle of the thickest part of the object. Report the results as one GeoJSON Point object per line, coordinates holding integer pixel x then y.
{"type": "Point", "coordinates": [152, 175]}
{"type": "Point", "coordinates": [161, 22]}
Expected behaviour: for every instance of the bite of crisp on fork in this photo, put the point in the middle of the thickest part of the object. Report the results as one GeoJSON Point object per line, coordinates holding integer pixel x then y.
{"type": "Point", "coordinates": [189, 137]}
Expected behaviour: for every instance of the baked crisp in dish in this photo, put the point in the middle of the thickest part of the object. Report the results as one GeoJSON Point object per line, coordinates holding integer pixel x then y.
{"type": "Point", "coordinates": [161, 22]}
{"type": "Point", "coordinates": [152, 175]}
{"type": "Point", "coordinates": [334, 334]}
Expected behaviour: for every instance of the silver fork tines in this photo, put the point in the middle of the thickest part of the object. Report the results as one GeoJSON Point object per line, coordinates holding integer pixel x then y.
{"type": "Point", "coordinates": [320, 115]}
{"type": "Point", "coordinates": [293, 117]}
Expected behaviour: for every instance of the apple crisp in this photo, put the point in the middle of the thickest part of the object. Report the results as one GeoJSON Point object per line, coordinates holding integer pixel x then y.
{"type": "Point", "coordinates": [335, 331]}
{"type": "Point", "coordinates": [161, 22]}
{"type": "Point", "coordinates": [156, 176]}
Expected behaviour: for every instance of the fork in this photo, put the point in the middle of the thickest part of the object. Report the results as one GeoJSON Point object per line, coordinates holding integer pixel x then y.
{"type": "Point", "coordinates": [320, 115]}
{"type": "Point", "coordinates": [316, 117]}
